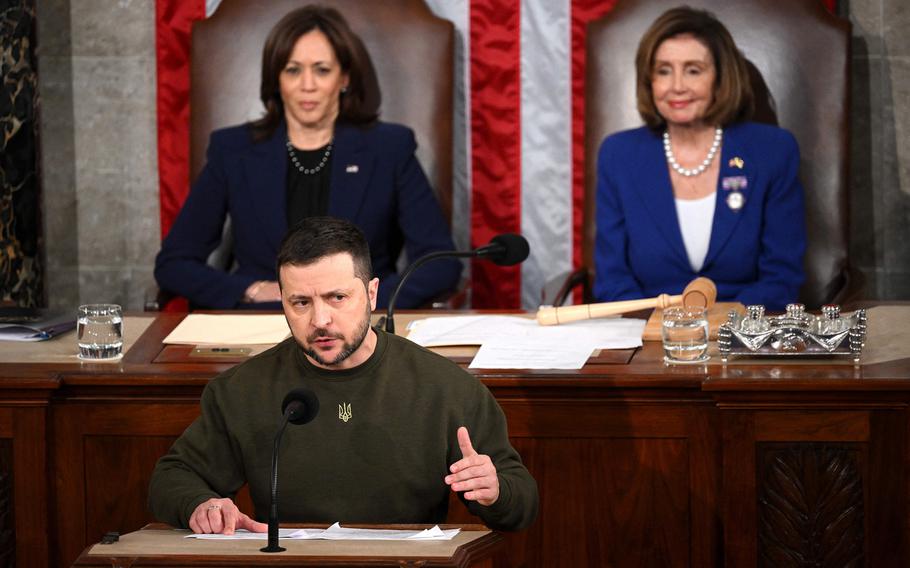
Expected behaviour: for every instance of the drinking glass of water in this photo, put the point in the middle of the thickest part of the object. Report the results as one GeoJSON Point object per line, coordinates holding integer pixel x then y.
{"type": "Point", "coordinates": [685, 335]}
{"type": "Point", "coordinates": [99, 328]}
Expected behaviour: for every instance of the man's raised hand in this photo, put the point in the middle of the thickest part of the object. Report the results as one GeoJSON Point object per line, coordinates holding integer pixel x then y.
{"type": "Point", "coordinates": [474, 473]}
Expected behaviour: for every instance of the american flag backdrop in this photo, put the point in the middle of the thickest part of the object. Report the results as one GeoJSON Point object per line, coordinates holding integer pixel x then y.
{"type": "Point", "coordinates": [521, 166]}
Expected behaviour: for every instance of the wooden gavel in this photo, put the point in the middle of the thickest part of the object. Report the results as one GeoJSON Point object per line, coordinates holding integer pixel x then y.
{"type": "Point", "coordinates": [701, 292]}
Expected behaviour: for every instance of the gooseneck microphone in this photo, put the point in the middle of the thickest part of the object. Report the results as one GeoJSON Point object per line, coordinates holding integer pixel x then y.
{"type": "Point", "coordinates": [505, 250]}
{"type": "Point", "coordinates": [299, 407]}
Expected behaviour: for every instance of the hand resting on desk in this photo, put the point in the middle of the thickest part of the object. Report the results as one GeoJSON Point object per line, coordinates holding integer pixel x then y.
{"type": "Point", "coordinates": [221, 516]}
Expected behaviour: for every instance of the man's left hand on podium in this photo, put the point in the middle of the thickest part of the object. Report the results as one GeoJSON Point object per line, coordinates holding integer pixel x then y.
{"type": "Point", "coordinates": [221, 516]}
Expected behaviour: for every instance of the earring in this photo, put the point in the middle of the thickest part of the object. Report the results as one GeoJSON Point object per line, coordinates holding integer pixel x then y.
{"type": "Point", "coordinates": [344, 90]}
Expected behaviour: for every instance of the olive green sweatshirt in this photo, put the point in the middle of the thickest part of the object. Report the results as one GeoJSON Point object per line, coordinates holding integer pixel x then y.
{"type": "Point", "coordinates": [377, 452]}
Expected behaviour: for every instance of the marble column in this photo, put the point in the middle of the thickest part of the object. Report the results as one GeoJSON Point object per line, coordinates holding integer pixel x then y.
{"type": "Point", "coordinates": [880, 146]}
{"type": "Point", "coordinates": [97, 60]}
{"type": "Point", "coordinates": [20, 234]}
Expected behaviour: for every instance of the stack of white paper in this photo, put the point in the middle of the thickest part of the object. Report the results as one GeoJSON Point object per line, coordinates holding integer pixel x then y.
{"type": "Point", "coordinates": [337, 532]}
{"type": "Point", "coordinates": [512, 342]}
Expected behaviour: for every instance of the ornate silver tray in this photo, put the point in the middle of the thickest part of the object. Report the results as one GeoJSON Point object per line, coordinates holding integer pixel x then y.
{"type": "Point", "coordinates": [796, 333]}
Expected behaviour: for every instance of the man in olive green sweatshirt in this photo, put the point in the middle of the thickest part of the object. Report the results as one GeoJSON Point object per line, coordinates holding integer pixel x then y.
{"type": "Point", "coordinates": [398, 427]}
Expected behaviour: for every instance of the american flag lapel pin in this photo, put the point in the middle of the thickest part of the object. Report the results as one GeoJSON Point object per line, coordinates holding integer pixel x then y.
{"type": "Point", "coordinates": [352, 168]}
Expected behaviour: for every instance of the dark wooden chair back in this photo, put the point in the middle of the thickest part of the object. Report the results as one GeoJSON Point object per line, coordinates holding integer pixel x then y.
{"type": "Point", "coordinates": [412, 51]}
{"type": "Point", "coordinates": [800, 59]}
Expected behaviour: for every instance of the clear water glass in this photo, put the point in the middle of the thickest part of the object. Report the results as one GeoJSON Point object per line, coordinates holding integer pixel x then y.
{"type": "Point", "coordinates": [684, 332]}
{"type": "Point", "coordinates": [99, 329]}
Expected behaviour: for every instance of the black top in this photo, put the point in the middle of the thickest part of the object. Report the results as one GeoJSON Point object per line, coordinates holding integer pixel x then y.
{"type": "Point", "coordinates": [308, 194]}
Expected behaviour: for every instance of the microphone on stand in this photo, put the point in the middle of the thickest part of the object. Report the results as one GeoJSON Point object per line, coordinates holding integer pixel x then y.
{"type": "Point", "coordinates": [299, 407]}
{"type": "Point", "coordinates": [505, 250]}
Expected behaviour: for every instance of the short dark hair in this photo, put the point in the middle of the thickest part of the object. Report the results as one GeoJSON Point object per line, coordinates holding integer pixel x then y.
{"type": "Point", "coordinates": [733, 98]}
{"type": "Point", "coordinates": [314, 238]}
{"type": "Point", "coordinates": [359, 103]}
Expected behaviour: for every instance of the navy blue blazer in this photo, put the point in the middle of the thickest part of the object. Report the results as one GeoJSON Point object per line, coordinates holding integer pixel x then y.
{"type": "Point", "coordinates": [376, 183]}
{"type": "Point", "coordinates": [755, 253]}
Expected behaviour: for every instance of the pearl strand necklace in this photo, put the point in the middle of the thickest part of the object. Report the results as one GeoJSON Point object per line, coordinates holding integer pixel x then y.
{"type": "Point", "coordinates": [671, 159]}
{"type": "Point", "coordinates": [318, 167]}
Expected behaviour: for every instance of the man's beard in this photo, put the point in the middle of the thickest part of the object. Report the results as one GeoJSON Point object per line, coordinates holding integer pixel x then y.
{"type": "Point", "coordinates": [346, 350]}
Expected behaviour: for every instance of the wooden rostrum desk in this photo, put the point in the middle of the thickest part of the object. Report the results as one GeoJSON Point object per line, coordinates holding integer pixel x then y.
{"type": "Point", "coordinates": [638, 463]}
{"type": "Point", "coordinates": [159, 545]}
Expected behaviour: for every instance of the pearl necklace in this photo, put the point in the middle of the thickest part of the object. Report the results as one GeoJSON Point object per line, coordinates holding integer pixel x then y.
{"type": "Point", "coordinates": [671, 159]}
{"type": "Point", "coordinates": [319, 166]}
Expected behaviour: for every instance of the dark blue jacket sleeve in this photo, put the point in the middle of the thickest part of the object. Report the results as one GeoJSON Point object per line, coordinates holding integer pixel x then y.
{"type": "Point", "coordinates": [614, 279]}
{"type": "Point", "coordinates": [424, 230]}
{"type": "Point", "coordinates": [180, 266]}
{"type": "Point", "coordinates": [783, 236]}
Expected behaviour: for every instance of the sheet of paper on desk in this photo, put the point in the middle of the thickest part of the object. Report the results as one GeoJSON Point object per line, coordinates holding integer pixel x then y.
{"type": "Point", "coordinates": [242, 534]}
{"type": "Point", "coordinates": [337, 532]}
{"type": "Point", "coordinates": [531, 353]}
{"type": "Point", "coordinates": [230, 329]}
{"type": "Point", "coordinates": [605, 333]}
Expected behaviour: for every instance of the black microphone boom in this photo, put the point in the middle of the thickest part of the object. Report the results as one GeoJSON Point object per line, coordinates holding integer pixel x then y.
{"type": "Point", "coordinates": [299, 407]}
{"type": "Point", "coordinates": [505, 250]}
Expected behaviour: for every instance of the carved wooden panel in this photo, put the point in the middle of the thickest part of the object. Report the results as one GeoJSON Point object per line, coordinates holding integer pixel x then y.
{"type": "Point", "coordinates": [7, 508]}
{"type": "Point", "coordinates": [607, 502]}
{"type": "Point", "coordinates": [104, 456]}
{"type": "Point", "coordinates": [118, 470]}
{"type": "Point", "coordinates": [810, 505]}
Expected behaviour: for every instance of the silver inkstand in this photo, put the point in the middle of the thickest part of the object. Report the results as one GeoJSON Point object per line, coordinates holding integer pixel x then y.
{"type": "Point", "coordinates": [796, 333]}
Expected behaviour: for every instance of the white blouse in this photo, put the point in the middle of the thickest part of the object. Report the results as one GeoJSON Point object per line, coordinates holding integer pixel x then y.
{"type": "Point", "coordinates": [696, 216]}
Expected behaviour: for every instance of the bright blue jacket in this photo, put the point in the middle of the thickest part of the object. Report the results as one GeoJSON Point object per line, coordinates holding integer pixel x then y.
{"type": "Point", "coordinates": [755, 253]}
{"type": "Point", "coordinates": [376, 183]}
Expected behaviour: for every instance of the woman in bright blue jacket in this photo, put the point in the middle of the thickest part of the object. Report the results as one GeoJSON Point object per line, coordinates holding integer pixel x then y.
{"type": "Point", "coordinates": [699, 190]}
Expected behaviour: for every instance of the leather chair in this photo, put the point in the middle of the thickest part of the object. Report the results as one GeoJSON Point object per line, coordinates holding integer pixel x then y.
{"type": "Point", "coordinates": [800, 61]}
{"type": "Point", "coordinates": [412, 52]}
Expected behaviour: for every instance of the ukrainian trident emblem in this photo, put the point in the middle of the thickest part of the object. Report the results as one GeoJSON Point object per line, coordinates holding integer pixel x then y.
{"type": "Point", "coordinates": [344, 411]}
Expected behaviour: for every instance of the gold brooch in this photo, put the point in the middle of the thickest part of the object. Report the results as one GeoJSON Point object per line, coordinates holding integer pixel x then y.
{"type": "Point", "coordinates": [737, 162]}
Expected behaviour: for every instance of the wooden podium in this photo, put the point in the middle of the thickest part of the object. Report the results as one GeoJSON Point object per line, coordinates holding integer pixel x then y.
{"type": "Point", "coordinates": [160, 545]}
{"type": "Point", "coordinates": [695, 465]}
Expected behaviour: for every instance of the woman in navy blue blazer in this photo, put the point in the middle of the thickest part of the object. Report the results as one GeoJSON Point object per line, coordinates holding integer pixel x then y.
{"type": "Point", "coordinates": [318, 150]}
{"type": "Point", "coordinates": [699, 190]}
